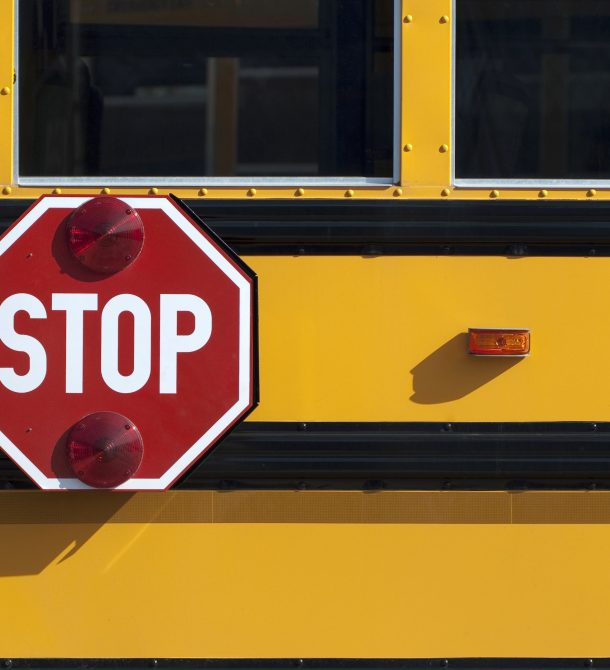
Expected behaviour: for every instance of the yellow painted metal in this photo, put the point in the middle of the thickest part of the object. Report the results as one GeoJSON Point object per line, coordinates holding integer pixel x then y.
{"type": "Point", "coordinates": [426, 94]}
{"type": "Point", "coordinates": [319, 574]}
{"type": "Point", "coordinates": [425, 121]}
{"type": "Point", "coordinates": [6, 97]}
{"type": "Point", "coordinates": [384, 338]}
{"type": "Point", "coordinates": [329, 574]}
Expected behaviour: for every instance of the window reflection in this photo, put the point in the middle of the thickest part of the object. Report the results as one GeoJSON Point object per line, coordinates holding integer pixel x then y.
{"type": "Point", "coordinates": [533, 89]}
{"type": "Point", "coordinates": [206, 87]}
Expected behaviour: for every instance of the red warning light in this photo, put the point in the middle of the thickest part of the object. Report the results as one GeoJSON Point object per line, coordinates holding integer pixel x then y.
{"type": "Point", "coordinates": [105, 449]}
{"type": "Point", "coordinates": [105, 234]}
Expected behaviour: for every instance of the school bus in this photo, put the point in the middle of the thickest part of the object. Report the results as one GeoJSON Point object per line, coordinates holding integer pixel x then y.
{"type": "Point", "coordinates": [396, 172]}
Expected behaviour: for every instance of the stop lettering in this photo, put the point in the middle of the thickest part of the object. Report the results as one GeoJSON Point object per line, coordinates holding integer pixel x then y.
{"type": "Point", "coordinates": [125, 326]}
{"type": "Point", "coordinates": [74, 305]}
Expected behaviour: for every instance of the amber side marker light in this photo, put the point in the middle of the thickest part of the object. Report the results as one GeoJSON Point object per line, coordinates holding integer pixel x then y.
{"type": "Point", "coordinates": [499, 341]}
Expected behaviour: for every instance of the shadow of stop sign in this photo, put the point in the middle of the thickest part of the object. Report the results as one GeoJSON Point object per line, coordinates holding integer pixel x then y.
{"type": "Point", "coordinates": [127, 342]}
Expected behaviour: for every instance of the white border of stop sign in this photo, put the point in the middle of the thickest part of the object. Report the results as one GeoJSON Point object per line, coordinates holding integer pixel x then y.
{"type": "Point", "coordinates": [245, 341]}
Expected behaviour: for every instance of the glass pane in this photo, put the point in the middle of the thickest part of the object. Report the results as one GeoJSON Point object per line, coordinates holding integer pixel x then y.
{"type": "Point", "coordinates": [533, 89]}
{"type": "Point", "coordinates": [205, 87]}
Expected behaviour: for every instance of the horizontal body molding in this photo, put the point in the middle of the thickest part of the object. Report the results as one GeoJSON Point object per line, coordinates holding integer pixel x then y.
{"type": "Point", "coordinates": [308, 663]}
{"type": "Point", "coordinates": [376, 227]}
{"type": "Point", "coordinates": [409, 456]}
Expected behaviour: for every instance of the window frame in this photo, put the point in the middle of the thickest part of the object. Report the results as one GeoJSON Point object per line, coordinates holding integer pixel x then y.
{"type": "Point", "coordinates": [195, 181]}
{"type": "Point", "coordinates": [514, 183]}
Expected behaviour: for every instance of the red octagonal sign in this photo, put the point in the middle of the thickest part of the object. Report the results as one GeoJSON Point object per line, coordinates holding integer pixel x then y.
{"type": "Point", "coordinates": [127, 334]}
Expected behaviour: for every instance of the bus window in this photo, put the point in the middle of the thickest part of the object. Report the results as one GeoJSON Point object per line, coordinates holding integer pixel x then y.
{"type": "Point", "coordinates": [532, 89]}
{"type": "Point", "coordinates": [192, 88]}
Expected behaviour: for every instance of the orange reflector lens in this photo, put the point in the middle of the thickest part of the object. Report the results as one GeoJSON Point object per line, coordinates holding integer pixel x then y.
{"type": "Point", "coordinates": [498, 342]}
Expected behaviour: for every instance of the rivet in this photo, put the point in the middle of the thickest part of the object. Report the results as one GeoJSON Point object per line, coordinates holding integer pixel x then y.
{"type": "Point", "coordinates": [299, 192]}
{"type": "Point", "coordinates": [7, 190]}
{"type": "Point", "coordinates": [153, 191]}
{"type": "Point", "coordinates": [105, 190]}
{"type": "Point", "coordinates": [5, 90]}
{"type": "Point", "coordinates": [494, 194]}
{"type": "Point", "coordinates": [397, 192]}
{"type": "Point", "coordinates": [444, 19]}
{"type": "Point", "coordinates": [443, 148]}
{"type": "Point", "coordinates": [408, 147]}
{"type": "Point", "coordinates": [591, 192]}
{"type": "Point", "coordinates": [349, 193]}
{"type": "Point", "coordinates": [251, 192]}
{"type": "Point", "coordinates": [408, 19]}
{"type": "Point", "coordinates": [57, 191]}
{"type": "Point", "coordinates": [445, 192]}
{"type": "Point", "coordinates": [203, 191]}
{"type": "Point", "coordinates": [543, 193]}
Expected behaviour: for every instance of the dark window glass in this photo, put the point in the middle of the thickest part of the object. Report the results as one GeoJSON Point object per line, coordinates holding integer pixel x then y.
{"type": "Point", "coordinates": [533, 89]}
{"type": "Point", "coordinates": [205, 87]}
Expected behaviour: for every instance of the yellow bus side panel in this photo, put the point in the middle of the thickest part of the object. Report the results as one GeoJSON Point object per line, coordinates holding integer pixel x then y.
{"type": "Point", "coordinates": [384, 338]}
{"type": "Point", "coordinates": [293, 574]}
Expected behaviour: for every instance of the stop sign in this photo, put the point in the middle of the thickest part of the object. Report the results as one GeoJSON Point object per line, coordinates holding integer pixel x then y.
{"type": "Point", "coordinates": [130, 345]}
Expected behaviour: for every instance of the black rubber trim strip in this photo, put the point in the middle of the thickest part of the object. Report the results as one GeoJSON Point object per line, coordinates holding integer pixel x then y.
{"type": "Point", "coordinates": [397, 456]}
{"type": "Point", "coordinates": [415, 227]}
{"type": "Point", "coordinates": [313, 663]}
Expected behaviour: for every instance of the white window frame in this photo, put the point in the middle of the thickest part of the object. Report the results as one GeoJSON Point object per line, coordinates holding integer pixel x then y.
{"type": "Point", "coordinates": [199, 181]}
{"type": "Point", "coordinates": [506, 183]}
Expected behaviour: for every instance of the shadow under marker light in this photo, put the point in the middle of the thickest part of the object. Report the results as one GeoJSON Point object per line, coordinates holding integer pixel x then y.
{"type": "Point", "coordinates": [499, 341]}
{"type": "Point", "coordinates": [105, 234]}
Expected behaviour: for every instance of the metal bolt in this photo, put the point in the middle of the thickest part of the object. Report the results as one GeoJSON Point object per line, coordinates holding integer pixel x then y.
{"type": "Point", "coordinates": [445, 192]}
{"type": "Point", "coordinates": [591, 192]}
{"type": "Point", "coordinates": [444, 19]}
{"type": "Point", "coordinates": [251, 192]}
{"type": "Point", "coordinates": [408, 147]}
{"type": "Point", "coordinates": [397, 192]}
{"type": "Point", "coordinates": [349, 193]}
{"type": "Point", "coordinates": [5, 90]}
{"type": "Point", "coordinates": [494, 194]}
{"type": "Point", "coordinates": [57, 191]}
{"type": "Point", "coordinates": [443, 148]}
{"type": "Point", "coordinates": [7, 190]}
{"type": "Point", "coordinates": [203, 191]}
{"type": "Point", "coordinates": [408, 19]}
{"type": "Point", "coordinates": [153, 191]}
{"type": "Point", "coordinates": [28, 429]}
{"type": "Point", "coordinates": [299, 192]}
{"type": "Point", "coordinates": [543, 193]}
{"type": "Point", "coordinates": [105, 190]}
{"type": "Point", "coordinates": [29, 254]}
